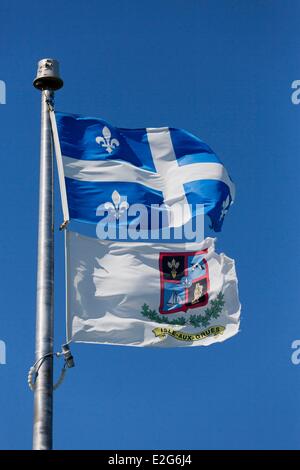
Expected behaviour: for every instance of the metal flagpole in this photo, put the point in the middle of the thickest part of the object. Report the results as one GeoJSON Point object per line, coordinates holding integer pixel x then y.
{"type": "Point", "coordinates": [47, 80]}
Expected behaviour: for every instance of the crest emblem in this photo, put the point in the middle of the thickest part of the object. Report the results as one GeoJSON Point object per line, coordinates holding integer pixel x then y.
{"type": "Point", "coordinates": [184, 281]}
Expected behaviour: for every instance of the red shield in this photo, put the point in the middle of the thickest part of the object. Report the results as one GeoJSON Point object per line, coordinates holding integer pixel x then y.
{"type": "Point", "coordinates": [184, 281]}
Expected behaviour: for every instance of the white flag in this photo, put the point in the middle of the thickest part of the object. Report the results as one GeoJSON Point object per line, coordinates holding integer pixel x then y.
{"type": "Point", "coordinates": [149, 294]}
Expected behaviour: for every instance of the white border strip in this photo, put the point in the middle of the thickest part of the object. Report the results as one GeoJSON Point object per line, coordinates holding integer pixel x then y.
{"type": "Point", "coordinates": [60, 168]}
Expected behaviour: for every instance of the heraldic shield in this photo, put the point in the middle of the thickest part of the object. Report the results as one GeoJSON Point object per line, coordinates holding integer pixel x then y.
{"type": "Point", "coordinates": [184, 281]}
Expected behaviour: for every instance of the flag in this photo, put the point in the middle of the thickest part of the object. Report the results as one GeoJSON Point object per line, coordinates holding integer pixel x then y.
{"type": "Point", "coordinates": [149, 294]}
{"type": "Point", "coordinates": [156, 289]}
{"type": "Point", "coordinates": [166, 168]}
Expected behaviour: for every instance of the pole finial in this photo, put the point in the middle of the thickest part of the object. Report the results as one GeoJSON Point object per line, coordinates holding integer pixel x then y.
{"type": "Point", "coordinates": [48, 77]}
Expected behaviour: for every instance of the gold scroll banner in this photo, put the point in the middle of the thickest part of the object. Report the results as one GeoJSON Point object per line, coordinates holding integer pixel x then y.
{"type": "Point", "coordinates": [182, 336]}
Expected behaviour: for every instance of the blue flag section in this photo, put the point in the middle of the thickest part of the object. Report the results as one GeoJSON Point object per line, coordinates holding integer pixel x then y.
{"type": "Point", "coordinates": [170, 172]}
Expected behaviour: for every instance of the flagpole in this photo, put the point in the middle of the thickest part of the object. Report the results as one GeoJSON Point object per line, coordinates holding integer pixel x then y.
{"type": "Point", "coordinates": [47, 80]}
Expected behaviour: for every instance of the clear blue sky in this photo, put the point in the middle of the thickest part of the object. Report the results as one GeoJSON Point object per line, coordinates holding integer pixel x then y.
{"type": "Point", "coordinates": [221, 69]}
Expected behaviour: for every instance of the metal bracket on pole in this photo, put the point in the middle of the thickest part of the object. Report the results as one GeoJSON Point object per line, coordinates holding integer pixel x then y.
{"type": "Point", "coordinates": [68, 364]}
{"type": "Point", "coordinates": [47, 81]}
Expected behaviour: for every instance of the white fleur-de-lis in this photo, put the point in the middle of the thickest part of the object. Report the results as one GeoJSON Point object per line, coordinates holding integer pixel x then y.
{"type": "Point", "coordinates": [117, 207]}
{"type": "Point", "coordinates": [225, 207]}
{"type": "Point", "coordinates": [186, 282]}
{"type": "Point", "coordinates": [106, 141]}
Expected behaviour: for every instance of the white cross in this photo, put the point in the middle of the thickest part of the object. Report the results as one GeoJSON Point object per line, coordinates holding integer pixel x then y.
{"type": "Point", "coordinates": [169, 177]}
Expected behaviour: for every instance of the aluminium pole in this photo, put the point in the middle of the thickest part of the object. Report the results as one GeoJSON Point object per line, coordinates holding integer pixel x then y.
{"type": "Point", "coordinates": [47, 81]}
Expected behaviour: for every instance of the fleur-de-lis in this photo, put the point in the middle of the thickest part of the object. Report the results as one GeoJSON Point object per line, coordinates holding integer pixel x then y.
{"type": "Point", "coordinates": [225, 207]}
{"type": "Point", "coordinates": [174, 265]}
{"type": "Point", "coordinates": [117, 207]}
{"type": "Point", "coordinates": [106, 141]}
{"type": "Point", "coordinates": [186, 282]}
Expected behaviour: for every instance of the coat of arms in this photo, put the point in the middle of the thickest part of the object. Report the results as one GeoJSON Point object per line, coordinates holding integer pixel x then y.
{"type": "Point", "coordinates": [184, 281]}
